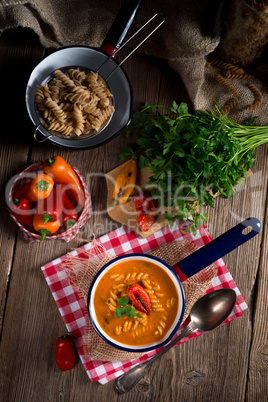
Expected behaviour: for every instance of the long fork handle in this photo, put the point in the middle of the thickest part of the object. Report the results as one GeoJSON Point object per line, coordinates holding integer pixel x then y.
{"type": "Point", "coordinates": [162, 20]}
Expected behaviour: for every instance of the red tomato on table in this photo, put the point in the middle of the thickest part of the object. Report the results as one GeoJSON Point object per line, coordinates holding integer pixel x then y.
{"type": "Point", "coordinates": [65, 352]}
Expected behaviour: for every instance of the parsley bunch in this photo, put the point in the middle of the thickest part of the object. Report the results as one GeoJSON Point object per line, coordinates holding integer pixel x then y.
{"type": "Point", "coordinates": [191, 157]}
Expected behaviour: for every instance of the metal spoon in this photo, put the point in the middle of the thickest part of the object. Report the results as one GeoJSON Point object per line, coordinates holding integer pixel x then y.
{"type": "Point", "coordinates": [207, 313]}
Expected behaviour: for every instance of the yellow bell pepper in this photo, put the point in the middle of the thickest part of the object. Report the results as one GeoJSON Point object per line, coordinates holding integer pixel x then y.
{"type": "Point", "coordinates": [125, 182]}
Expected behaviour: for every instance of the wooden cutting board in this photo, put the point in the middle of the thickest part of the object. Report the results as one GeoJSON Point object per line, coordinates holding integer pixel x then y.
{"type": "Point", "coordinates": [126, 214]}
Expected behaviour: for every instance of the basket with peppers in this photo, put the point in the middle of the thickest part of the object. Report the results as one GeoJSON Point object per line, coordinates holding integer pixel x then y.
{"type": "Point", "coordinates": [50, 200]}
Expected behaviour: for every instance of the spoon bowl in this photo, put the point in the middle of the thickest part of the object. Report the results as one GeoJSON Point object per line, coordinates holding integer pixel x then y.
{"type": "Point", "coordinates": [206, 314]}
{"type": "Point", "coordinates": [212, 309]}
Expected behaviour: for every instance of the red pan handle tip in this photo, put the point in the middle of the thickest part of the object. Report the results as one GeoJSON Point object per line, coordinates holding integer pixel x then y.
{"type": "Point", "coordinates": [108, 49]}
{"type": "Point", "coordinates": [120, 26]}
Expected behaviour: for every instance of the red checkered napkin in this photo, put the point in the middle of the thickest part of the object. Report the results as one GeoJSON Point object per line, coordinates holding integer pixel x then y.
{"type": "Point", "coordinates": [123, 241]}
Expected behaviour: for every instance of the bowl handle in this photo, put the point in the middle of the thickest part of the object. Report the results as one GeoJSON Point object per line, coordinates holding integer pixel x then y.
{"type": "Point", "coordinates": [217, 248]}
{"type": "Point", "coordinates": [44, 138]}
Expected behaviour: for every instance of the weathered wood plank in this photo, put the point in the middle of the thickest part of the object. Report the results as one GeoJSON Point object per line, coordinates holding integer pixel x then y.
{"type": "Point", "coordinates": [14, 144]}
{"type": "Point", "coordinates": [257, 385]}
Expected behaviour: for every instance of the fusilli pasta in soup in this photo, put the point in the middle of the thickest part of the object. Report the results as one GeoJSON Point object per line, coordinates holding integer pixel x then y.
{"type": "Point", "coordinates": [74, 103]}
{"type": "Point", "coordinates": [111, 300]}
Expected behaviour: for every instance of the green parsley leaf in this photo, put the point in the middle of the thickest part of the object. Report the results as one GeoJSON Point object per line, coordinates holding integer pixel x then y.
{"type": "Point", "coordinates": [129, 311]}
{"type": "Point", "coordinates": [127, 152]}
{"type": "Point", "coordinates": [123, 302]}
{"type": "Point", "coordinates": [125, 309]}
{"type": "Point", "coordinates": [120, 312]}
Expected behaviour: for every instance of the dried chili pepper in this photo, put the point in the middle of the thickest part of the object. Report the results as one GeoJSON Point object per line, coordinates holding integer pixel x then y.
{"type": "Point", "coordinates": [22, 211]}
{"type": "Point", "coordinates": [69, 213]}
{"type": "Point", "coordinates": [125, 182]}
{"type": "Point", "coordinates": [139, 298]}
{"type": "Point", "coordinates": [45, 229]}
{"type": "Point", "coordinates": [63, 173]}
{"type": "Point", "coordinates": [65, 352]}
{"type": "Point", "coordinates": [51, 207]}
{"type": "Point", "coordinates": [41, 186]}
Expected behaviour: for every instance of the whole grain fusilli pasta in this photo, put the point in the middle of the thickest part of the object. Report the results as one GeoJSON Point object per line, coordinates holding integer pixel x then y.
{"type": "Point", "coordinates": [230, 105]}
{"type": "Point", "coordinates": [74, 103]}
{"type": "Point", "coordinates": [226, 84]}
{"type": "Point", "coordinates": [258, 98]}
{"type": "Point", "coordinates": [237, 76]}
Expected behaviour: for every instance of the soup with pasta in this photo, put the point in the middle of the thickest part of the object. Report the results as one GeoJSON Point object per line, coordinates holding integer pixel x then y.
{"type": "Point", "coordinates": [136, 302]}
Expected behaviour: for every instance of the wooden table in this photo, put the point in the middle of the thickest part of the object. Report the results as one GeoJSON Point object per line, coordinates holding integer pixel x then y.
{"type": "Point", "coordinates": [229, 364]}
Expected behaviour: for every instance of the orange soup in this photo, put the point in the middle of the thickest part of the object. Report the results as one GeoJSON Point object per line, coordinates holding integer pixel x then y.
{"type": "Point", "coordinates": [136, 328]}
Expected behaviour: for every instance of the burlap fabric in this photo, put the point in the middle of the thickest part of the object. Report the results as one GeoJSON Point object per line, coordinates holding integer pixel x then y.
{"type": "Point", "coordinates": [195, 33]}
{"type": "Point", "coordinates": [81, 271]}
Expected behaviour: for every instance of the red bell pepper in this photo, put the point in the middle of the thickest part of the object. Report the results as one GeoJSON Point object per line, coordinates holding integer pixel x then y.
{"type": "Point", "coordinates": [69, 213]}
{"type": "Point", "coordinates": [139, 298]}
{"type": "Point", "coordinates": [65, 352]}
{"type": "Point", "coordinates": [63, 173]}
{"type": "Point", "coordinates": [51, 207]}
{"type": "Point", "coordinates": [24, 192]}
{"type": "Point", "coordinates": [22, 211]}
{"type": "Point", "coordinates": [45, 229]}
{"type": "Point", "coordinates": [41, 186]}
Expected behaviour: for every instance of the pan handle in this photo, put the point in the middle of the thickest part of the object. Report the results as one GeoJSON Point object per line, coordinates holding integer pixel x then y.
{"type": "Point", "coordinates": [218, 247]}
{"type": "Point", "coordinates": [120, 26]}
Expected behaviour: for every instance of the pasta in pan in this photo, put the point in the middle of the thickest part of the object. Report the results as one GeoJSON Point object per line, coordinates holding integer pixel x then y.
{"type": "Point", "coordinates": [74, 103]}
{"type": "Point", "coordinates": [140, 328]}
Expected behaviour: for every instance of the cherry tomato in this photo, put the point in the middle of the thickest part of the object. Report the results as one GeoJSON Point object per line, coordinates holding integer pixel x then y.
{"type": "Point", "coordinates": [138, 200]}
{"type": "Point", "coordinates": [145, 221]}
{"type": "Point", "coordinates": [145, 206]}
{"type": "Point", "coordinates": [65, 352]}
{"type": "Point", "coordinates": [144, 203]}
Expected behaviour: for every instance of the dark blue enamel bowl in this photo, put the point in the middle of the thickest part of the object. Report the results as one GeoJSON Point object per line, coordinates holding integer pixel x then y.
{"type": "Point", "coordinates": [179, 316]}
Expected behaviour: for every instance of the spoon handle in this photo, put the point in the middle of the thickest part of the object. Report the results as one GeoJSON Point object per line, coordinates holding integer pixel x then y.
{"type": "Point", "coordinates": [126, 381]}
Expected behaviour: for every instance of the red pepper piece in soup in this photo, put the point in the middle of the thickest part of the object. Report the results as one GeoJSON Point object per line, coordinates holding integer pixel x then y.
{"type": "Point", "coordinates": [139, 298]}
{"type": "Point", "coordinates": [65, 352]}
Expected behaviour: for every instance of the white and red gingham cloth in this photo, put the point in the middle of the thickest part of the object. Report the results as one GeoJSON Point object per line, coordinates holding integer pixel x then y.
{"type": "Point", "coordinates": [123, 241]}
